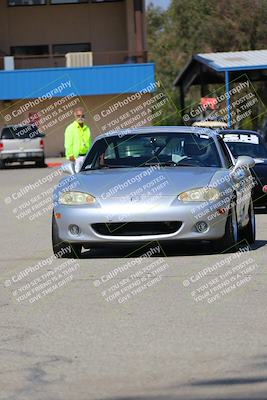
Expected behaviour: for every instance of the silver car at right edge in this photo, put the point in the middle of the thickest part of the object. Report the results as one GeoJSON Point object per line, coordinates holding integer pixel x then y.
{"type": "Point", "coordinates": [208, 197]}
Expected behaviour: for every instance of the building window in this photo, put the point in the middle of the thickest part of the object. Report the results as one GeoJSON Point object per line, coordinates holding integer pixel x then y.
{"type": "Point", "coordinates": [68, 1]}
{"type": "Point", "coordinates": [70, 48]}
{"type": "Point", "coordinates": [27, 2]}
{"type": "Point", "coordinates": [81, 1]}
{"type": "Point", "coordinates": [29, 50]}
{"type": "Point", "coordinates": [105, 1]}
{"type": "Point", "coordinates": [43, 2]}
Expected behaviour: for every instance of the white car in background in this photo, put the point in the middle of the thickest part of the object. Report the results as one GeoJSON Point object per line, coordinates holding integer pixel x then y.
{"type": "Point", "coordinates": [21, 143]}
{"type": "Point", "coordinates": [210, 124]}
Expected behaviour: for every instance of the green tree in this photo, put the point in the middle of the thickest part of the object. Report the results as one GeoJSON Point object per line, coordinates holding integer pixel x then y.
{"type": "Point", "coordinates": [199, 26]}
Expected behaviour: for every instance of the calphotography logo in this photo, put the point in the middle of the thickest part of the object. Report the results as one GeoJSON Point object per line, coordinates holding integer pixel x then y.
{"type": "Point", "coordinates": [36, 199]}
{"type": "Point", "coordinates": [225, 277]}
{"type": "Point", "coordinates": [141, 275]}
{"type": "Point", "coordinates": [133, 207]}
{"type": "Point", "coordinates": [36, 282]}
{"type": "Point", "coordinates": [134, 111]}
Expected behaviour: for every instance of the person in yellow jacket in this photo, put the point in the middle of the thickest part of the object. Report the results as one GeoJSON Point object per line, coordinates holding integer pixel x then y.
{"type": "Point", "coordinates": [78, 139]}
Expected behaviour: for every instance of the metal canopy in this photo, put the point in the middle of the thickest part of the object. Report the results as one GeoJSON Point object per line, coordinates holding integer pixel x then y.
{"type": "Point", "coordinates": [235, 60]}
{"type": "Point", "coordinates": [222, 68]}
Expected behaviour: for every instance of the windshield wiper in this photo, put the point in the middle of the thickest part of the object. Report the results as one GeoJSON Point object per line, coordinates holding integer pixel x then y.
{"type": "Point", "coordinates": [107, 167]}
{"type": "Point", "coordinates": [115, 166]}
{"type": "Point", "coordinates": [169, 164]}
{"type": "Point", "coordinates": [187, 165]}
{"type": "Point", "coordinates": [149, 164]}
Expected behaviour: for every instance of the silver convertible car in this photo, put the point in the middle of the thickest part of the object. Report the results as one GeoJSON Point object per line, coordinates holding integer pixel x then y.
{"type": "Point", "coordinates": [160, 184]}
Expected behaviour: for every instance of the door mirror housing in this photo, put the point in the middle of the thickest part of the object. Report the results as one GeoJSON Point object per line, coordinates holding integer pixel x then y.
{"type": "Point", "coordinates": [79, 163]}
{"type": "Point", "coordinates": [69, 168]}
{"type": "Point", "coordinates": [244, 162]}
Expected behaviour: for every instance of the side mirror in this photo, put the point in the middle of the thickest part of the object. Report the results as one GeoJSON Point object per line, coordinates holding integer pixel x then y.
{"type": "Point", "coordinates": [69, 168]}
{"type": "Point", "coordinates": [79, 163]}
{"type": "Point", "coordinates": [241, 165]}
{"type": "Point", "coordinates": [244, 162]}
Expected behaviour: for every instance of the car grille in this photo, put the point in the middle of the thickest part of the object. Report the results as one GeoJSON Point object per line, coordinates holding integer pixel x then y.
{"type": "Point", "coordinates": [137, 228]}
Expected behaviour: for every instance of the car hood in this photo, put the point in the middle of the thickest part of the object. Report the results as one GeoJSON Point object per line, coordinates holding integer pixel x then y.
{"type": "Point", "coordinates": [124, 182]}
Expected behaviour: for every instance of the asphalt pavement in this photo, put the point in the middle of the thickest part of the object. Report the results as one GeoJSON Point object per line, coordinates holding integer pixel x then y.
{"type": "Point", "coordinates": [131, 323]}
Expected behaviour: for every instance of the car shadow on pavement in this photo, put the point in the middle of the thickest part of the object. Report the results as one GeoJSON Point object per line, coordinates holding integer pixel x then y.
{"type": "Point", "coordinates": [249, 386]}
{"type": "Point", "coordinates": [166, 250]}
{"type": "Point", "coordinates": [219, 397]}
{"type": "Point", "coordinates": [225, 383]}
{"type": "Point", "coordinates": [258, 244]}
{"type": "Point", "coordinates": [137, 250]}
{"type": "Point", "coordinates": [262, 210]}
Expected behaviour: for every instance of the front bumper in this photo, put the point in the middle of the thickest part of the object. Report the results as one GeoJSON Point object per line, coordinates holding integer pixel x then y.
{"type": "Point", "coordinates": [186, 216]}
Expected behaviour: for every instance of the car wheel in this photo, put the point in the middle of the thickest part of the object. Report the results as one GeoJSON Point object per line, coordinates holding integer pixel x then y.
{"type": "Point", "coordinates": [2, 164]}
{"type": "Point", "coordinates": [230, 240]}
{"type": "Point", "coordinates": [250, 228]}
{"type": "Point", "coordinates": [63, 249]}
{"type": "Point", "coordinates": [41, 163]}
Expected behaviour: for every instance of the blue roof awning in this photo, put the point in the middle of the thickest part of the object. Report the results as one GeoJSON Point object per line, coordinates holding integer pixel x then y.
{"type": "Point", "coordinates": [82, 81]}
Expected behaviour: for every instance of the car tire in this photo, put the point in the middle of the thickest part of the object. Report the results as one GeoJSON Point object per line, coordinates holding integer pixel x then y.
{"type": "Point", "coordinates": [2, 164]}
{"type": "Point", "coordinates": [63, 249]}
{"type": "Point", "coordinates": [41, 163]}
{"type": "Point", "coordinates": [249, 232]}
{"type": "Point", "coordinates": [230, 241]}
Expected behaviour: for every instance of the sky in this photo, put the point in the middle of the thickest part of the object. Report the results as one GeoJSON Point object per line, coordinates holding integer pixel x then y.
{"type": "Point", "coordinates": [160, 3]}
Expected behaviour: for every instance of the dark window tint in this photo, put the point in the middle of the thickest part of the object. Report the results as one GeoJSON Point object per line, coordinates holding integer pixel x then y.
{"type": "Point", "coordinates": [167, 149]}
{"type": "Point", "coordinates": [29, 50]}
{"type": "Point", "coordinates": [68, 1]}
{"type": "Point", "coordinates": [20, 132]}
{"type": "Point", "coordinates": [81, 1]}
{"type": "Point", "coordinates": [226, 155]}
{"type": "Point", "coordinates": [247, 149]}
{"type": "Point", "coordinates": [105, 1]}
{"type": "Point", "coordinates": [72, 47]}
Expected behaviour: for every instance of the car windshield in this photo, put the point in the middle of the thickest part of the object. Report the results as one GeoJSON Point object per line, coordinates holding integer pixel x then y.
{"type": "Point", "coordinates": [20, 132]}
{"type": "Point", "coordinates": [247, 149]}
{"type": "Point", "coordinates": [166, 149]}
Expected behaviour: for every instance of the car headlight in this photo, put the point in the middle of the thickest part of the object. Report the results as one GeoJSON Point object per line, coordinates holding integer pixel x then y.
{"type": "Point", "coordinates": [200, 194]}
{"type": "Point", "coordinates": [76, 198]}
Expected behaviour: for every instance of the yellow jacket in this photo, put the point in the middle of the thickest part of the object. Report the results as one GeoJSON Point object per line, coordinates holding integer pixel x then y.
{"type": "Point", "coordinates": [78, 139]}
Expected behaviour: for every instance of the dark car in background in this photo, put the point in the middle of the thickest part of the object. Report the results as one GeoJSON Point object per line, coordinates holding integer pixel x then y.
{"type": "Point", "coordinates": [21, 143]}
{"type": "Point", "coordinates": [252, 144]}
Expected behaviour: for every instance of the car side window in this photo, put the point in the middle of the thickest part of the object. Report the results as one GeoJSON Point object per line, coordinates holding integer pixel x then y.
{"type": "Point", "coordinates": [110, 152]}
{"type": "Point", "coordinates": [226, 154]}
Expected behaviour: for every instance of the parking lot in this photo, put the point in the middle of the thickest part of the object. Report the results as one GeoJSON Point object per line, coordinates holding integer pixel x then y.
{"type": "Point", "coordinates": [164, 339]}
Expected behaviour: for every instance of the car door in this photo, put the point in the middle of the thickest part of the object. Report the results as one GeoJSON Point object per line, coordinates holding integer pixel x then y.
{"type": "Point", "coordinates": [241, 181]}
